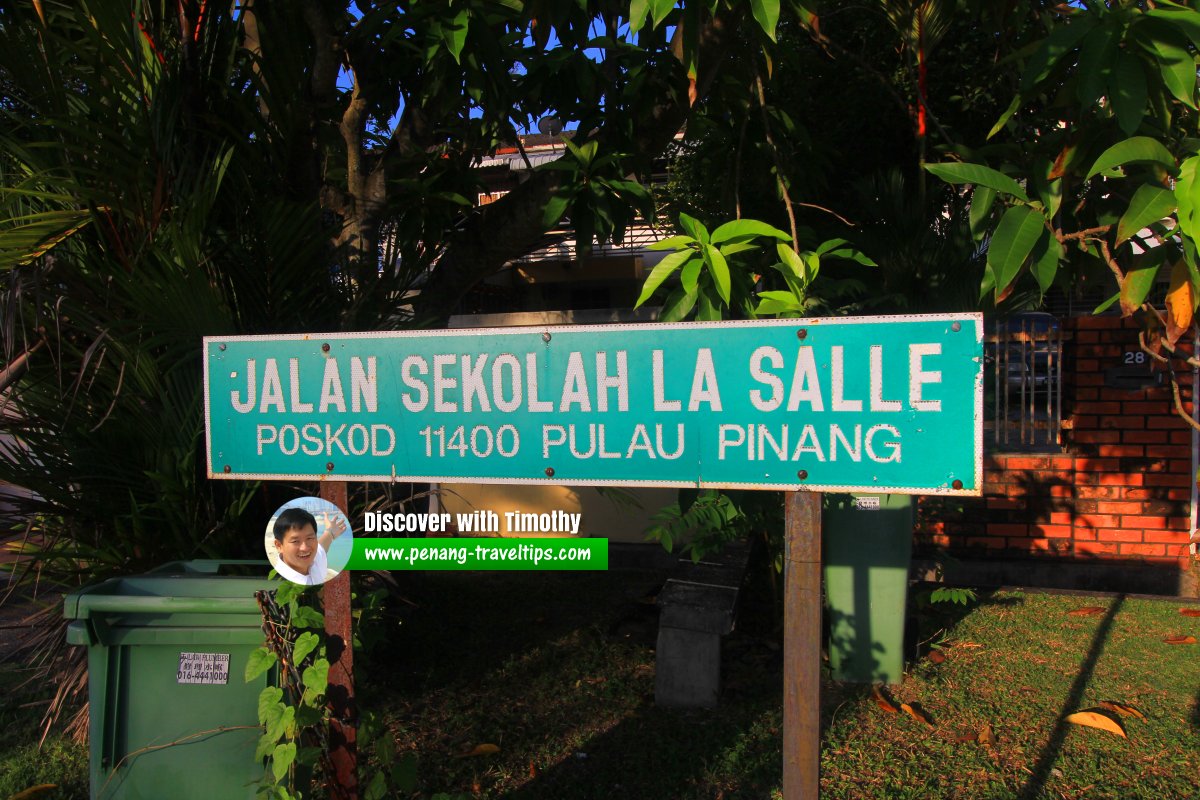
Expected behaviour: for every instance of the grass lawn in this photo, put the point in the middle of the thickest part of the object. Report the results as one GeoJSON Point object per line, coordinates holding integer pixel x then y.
{"type": "Point", "coordinates": [557, 671]}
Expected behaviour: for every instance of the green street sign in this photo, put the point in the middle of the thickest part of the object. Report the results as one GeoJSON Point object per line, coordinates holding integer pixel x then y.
{"type": "Point", "coordinates": [883, 404]}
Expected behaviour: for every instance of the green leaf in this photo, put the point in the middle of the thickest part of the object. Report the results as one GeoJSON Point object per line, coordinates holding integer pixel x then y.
{"type": "Point", "coordinates": [693, 228]}
{"type": "Point", "coordinates": [766, 13]}
{"type": "Point", "coordinates": [1006, 116]}
{"type": "Point", "coordinates": [955, 172]}
{"type": "Point", "coordinates": [282, 758]}
{"type": "Point", "coordinates": [305, 617]}
{"type": "Point", "coordinates": [746, 228]}
{"type": "Point", "coordinates": [316, 676]}
{"type": "Point", "coordinates": [812, 266]}
{"type": "Point", "coordinates": [1011, 244]}
{"type": "Point", "coordinates": [1107, 304]}
{"type": "Point", "coordinates": [638, 11]}
{"type": "Point", "coordinates": [679, 304]}
{"type": "Point", "coordinates": [672, 243]}
{"type": "Point", "coordinates": [1096, 59]}
{"type": "Point", "coordinates": [1047, 255]}
{"type": "Point", "coordinates": [1128, 92]}
{"type": "Point", "coordinates": [1184, 20]}
{"type": "Point", "coordinates": [1137, 284]}
{"type": "Point", "coordinates": [305, 644]}
{"type": "Point", "coordinates": [1149, 204]}
{"type": "Point", "coordinates": [287, 722]}
{"type": "Point", "coordinates": [377, 789]}
{"type": "Point", "coordinates": [288, 592]}
{"type": "Point", "coordinates": [689, 276]}
{"type": "Point", "coordinates": [706, 309]}
{"type": "Point", "coordinates": [266, 744]}
{"type": "Point", "coordinates": [982, 200]}
{"type": "Point", "coordinates": [1176, 65]}
{"type": "Point", "coordinates": [260, 661]}
{"type": "Point", "coordinates": [555, 208]}
{"type": "Point", "coordinates": [404, 774]}
{"type": "Point", "coordinates": [662, 270]}
{"type": "Point", "coordinates": [659, 9]}
{"type": "Point", "coordinates": [1055, 49]}
{"type": "Point", "coordinates": [268, 699]}
{"type": "Point", "coordinates": [849, 254]}
{"type": "Point", "coordinates": [275, 723]}
{"type": "Point", "coordinates": [988, 284]}
{"type": "Point", "coordinates": [777, 303]}
{"type": "Point", "coordinates": [1136, 150]}
{"type": "Point", "coordinates": [733, 248]}
{"type": "Point", "coordinates": [791, 261]}
{"type": "Point", "coordinates": [455, 34]}
{"type": "Point", "coordinates": [719, 269]}
{"type": "Point", "coordinates": [1187, 197]}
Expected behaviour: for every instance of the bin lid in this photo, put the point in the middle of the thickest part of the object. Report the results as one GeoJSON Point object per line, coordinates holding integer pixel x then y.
{"type": "Point", "coordinates": [175, 590]}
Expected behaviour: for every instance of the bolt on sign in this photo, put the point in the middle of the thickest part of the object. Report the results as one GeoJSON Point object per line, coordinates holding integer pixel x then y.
{"type": "Point", "coordinates": [890, 404]}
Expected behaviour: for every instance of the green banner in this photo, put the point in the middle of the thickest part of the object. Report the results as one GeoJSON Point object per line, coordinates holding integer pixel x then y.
{"type": "Point", "coordinates": [480, 554]}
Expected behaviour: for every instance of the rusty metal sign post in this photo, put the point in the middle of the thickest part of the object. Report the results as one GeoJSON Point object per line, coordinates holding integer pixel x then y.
{"type": "Point", "coordinates": [343, 726]}
{"type": "Point", "coordinates": [802, 646]}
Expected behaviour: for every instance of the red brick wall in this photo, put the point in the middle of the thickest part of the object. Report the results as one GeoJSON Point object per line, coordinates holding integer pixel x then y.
{"type": "Point", "coordinates": [1121, 490]}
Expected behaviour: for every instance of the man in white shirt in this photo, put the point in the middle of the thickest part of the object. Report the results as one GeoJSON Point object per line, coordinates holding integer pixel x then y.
{"type": "Point", "coordinates": [302, 555]}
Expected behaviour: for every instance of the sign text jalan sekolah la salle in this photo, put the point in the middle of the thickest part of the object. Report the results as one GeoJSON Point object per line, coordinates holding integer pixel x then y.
{"type": "Point", "coordinates": [869, 404]}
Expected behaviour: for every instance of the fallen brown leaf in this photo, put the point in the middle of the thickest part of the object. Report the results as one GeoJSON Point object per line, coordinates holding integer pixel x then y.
{"type": "Point", "coordinates": [1190, 612]}
{"type": "Point", "coordinates": [883, 702]}
{"type": "Point", "coordinates": [486, 749]}
{"type": "Point", "coordinates": [1093, 718]}
{"type": "Point", "coordinates": [35, 791]}
{"type": "Point", "coordinates": [1086, 611]}
{"type": "Point", "coordinates": [533, 770]}
{"type": "Point", "coordinates": [916, 713]}
{"type": "Point", "coordinates": [1181, 639]}
{"type": "Point", "coordinates": [967, 644]}
{"type": "Point", "coordinates": [985, 736]}
{"type": "Point", "coordinates": [1123, 709]}
{"type": "Point", "coordinates": [937, 656]}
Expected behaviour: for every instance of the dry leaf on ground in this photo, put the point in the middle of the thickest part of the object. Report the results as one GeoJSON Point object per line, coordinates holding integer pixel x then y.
{"type": "Point", "coordinates": [1190, 612]}
{"type": "Point", "coordinates": [1180, 639]}
{"type": "Point", "coordinates": [35, 791]}
{"type": "Point", "coordinates": [883, 702]}
{"type": "Point", "coordinates": [1123, 709]}
{"type": "Point", "coordinates": [485, 749]}
{"type": "Point", "coordinates": [916, 713]}
{"type": "Point", "coordinates": [937, 656]}
{"type": "Point", "coordinates": [1093, 718]}
{"type": "Point", "coordinates": [1086, 611]}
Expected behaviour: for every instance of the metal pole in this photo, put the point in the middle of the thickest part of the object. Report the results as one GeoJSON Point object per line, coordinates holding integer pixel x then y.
{"type": "Point", "coordinates": [343, 748]}
{"type": "Point", "coordinates": [802, 646]}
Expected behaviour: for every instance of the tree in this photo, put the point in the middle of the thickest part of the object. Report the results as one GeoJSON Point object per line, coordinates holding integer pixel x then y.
{"type": "Point", "coordinates": [191, 168]}
{"type": "Point", "coordinates": [1090, 174]}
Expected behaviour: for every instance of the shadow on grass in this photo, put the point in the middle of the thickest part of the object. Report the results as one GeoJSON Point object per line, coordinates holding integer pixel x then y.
{"type": "Point", "coordinates": [664, 753]}
{"type": "Point", "coordinates": [467, 624]}
{"type": "Point", "coordinates": [928, 622]}
{"type": "Point", "coordinates": [1041, 772]}
{"type": "Point", "coordinates": [1196, 711]}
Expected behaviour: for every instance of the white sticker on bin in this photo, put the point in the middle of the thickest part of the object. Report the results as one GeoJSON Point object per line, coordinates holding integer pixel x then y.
{"type": "Point", "coordinates": [866, 503]}
{"type": "Point", "coordinates": [203, 668]}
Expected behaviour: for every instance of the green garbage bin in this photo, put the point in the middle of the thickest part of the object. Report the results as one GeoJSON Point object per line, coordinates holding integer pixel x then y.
{"type": "Point", "coordinates": [867, 549]}
{"type": "Point", "coordinates": [170, 712]}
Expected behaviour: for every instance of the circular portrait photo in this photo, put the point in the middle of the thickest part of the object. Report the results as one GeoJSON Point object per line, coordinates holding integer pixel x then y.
{"type": "Point", "coordinates": [308, 541]}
